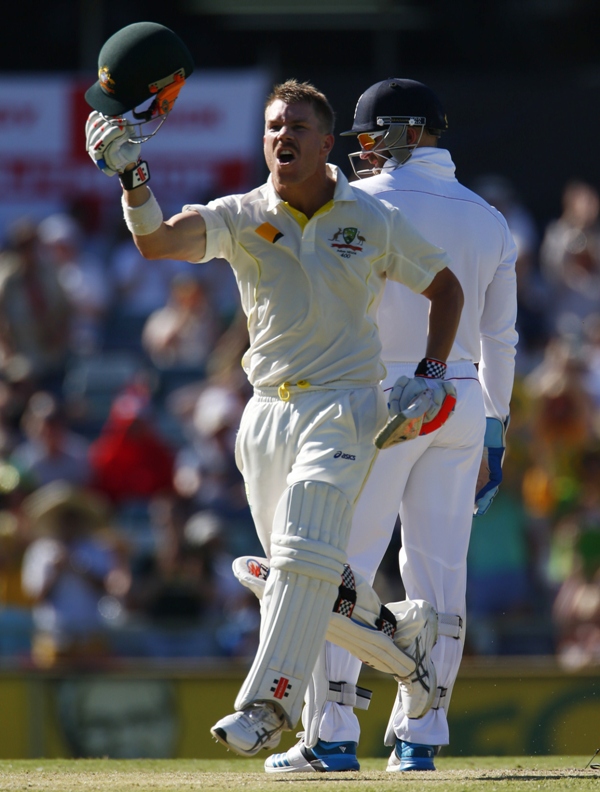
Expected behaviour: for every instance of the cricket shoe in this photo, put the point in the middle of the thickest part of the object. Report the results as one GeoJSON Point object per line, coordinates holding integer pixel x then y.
{"type": "Point", "coordinates": [246, 732]}
{"type": "Point", "coordinates": [417, 692]}
{"type": "Point", "coordinates": [324, 757]}
{"type": "Point", "coordinates": [411, 756]}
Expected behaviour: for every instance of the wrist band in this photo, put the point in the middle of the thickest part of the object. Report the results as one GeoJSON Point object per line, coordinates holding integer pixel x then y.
{"type": "Point", "coordinates": [144, 219]}
{"type": "Point", "coordinates": [433, 369]}
{"type": "Point", "coordinates": [136, 176]}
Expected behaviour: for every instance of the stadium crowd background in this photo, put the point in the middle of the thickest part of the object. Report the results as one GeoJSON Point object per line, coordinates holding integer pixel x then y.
{"type": "Point", "coordinates": [120, 381]}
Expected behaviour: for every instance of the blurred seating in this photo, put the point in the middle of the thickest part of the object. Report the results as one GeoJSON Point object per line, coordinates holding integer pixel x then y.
{"type": "Point", "coordinates": [91, 385]}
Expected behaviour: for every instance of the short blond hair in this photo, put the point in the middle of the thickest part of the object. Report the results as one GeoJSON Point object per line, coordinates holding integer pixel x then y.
{"type": "Point", "coordinates": [294, 92]}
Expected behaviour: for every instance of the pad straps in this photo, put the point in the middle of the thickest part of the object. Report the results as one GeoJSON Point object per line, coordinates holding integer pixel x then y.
{"type": "Point", "coordinates": [349, 695]}
{"type": "Point", "coordinates": [450, 625]}
{"type": "Point", "coordinates": [439, 700]}
{"type": "Point", "coordinates": [346, 599]}
{"type": "Point", "coordinates": [386, 623]}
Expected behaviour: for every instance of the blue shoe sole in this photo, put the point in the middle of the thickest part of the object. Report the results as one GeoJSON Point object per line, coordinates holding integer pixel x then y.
{"type": "Point", "coordinates": [334, 764]}
{"type": "Point", "coordinates": [416, 764]}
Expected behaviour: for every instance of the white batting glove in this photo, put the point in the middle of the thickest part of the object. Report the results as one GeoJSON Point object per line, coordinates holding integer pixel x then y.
{"type": "Point", "coordinates": [107, 143]}
{"type": "Point", "coordinates": [442, 399]}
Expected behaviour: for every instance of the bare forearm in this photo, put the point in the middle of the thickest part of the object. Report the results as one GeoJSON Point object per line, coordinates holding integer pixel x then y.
{"type": "Point", "coordinates": [182, 237]}
{"type": "Point", "coordinates": [447, 299]}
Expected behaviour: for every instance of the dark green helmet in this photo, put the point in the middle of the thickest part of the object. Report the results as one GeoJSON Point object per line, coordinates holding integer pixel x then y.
{"type": "Point", "coordinates": [137, 63]}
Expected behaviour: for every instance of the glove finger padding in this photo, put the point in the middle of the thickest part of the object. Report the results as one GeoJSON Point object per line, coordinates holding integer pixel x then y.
{"type": "Point", "coordinates": [442, 397]}
{"type": "Point", "coordinates": [404, 392]}
{"type": "Point", "coordinates": [107, 143]}
{"type": "Point", "coordinates": [444, 401]}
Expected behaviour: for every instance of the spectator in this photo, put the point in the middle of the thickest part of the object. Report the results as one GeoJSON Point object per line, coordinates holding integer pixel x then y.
{"type": "Point", "coordinates": [130, 460]}
{"type": "Point", "coordinates": [591, 352]}
{"type": "Point", "coordinates": [34, 312]}
{"type": "Point", "coordinates": [532, 319]}
{"type": "Point", "coordinates": [181, 334]}
{"type": "Point", "coordinates": [138, 290]}
{"type": "Point", "coordinates": [174, 595]}
{"type": "Point", "coordinates": [576, 609]}
{"type": "Point", "coordinates": [67, 570]}
{"type": "Point", "coordinates": [51, 451]}
{"type": "Point", "coordinates": [570, 255]}
{"type": "Point", "coordinates": [205, 468]}
{"type": "Point", "coordinates": [15, 604]}
{"type": "Point", "coordinates": [563, 409]}
{"type": "Point", "coordinates": [207, 531]}
{"type": "Point", "coordinates": [498, 587]}
{"type": "Point", "coordinates": [236, 613]}
{"type": "Point", "coordinates": [82, 277]}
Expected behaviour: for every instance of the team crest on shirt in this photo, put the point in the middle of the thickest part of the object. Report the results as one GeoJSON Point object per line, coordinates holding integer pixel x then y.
{"type": "Point", "coordinates": [348, 241]}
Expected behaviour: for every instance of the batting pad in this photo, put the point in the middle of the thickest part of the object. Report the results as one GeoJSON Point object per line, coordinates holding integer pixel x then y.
{"type": "Point", "coordinates": [362, 634]}
{"type": "Point", "coordinates": [310, 532]}
{"type": "Point", "coordinates": [450, 625]}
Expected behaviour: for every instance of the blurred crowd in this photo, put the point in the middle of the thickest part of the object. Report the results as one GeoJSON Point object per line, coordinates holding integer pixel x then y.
{"type": "Point", "coordinates": [121, 506]}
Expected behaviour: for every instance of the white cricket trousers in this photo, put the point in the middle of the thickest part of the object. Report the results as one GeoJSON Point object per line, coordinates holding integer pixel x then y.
{"type": "Point", "coordinates": [318, 434]}
{"type": "Point", "coordinates": [304, 459]}
{"type": "Point", "coordinates": [430, 481]}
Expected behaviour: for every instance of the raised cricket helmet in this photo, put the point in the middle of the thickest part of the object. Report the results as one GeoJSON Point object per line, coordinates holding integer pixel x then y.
{"type": "Point", "coordinates": [382, 117]}
{"type": "Point", "coordinates": [142, 64]}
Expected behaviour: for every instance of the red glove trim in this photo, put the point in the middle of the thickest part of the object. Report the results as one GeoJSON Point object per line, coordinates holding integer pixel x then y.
{"type": "Point", "coordinates": [442, 416]}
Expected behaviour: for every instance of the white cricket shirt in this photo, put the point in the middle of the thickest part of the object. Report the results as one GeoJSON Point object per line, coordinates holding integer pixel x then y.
{"type": "Point", "coordinates": [311, 289]}
{"type": "Point", "coordinates": [483, 253]}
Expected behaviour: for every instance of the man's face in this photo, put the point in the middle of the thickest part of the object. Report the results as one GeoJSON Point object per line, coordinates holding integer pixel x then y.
{"type": "Point", "coordinates": [295, 146]}
{"type": "Point", "coordinates": [373, 150]}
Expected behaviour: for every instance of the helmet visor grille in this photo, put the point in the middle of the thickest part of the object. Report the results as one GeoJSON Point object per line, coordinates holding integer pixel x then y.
{"type": "Point", "coordinates": [368, 141]}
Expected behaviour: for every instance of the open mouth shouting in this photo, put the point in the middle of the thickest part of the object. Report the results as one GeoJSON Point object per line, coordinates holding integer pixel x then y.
{"type": "Point", "coordinates": [285, 156]}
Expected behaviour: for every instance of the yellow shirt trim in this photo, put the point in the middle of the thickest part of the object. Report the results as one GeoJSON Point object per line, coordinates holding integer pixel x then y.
{"type": "Point", "coordinates": [301, 218]}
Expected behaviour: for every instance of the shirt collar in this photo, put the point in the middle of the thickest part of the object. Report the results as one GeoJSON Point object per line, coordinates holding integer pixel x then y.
{"type": "Point", "coordinates": [343, 190]}
{"type": "Point", "coordinates": [437, 160]}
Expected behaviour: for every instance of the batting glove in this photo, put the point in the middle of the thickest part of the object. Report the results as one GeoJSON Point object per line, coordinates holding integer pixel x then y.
{"type": "Point", "coordinates": [428, 379]}
{"type": "Point", "coordinates": [107, 143]}
{"type": "Point", "coordinates": [490, 473]}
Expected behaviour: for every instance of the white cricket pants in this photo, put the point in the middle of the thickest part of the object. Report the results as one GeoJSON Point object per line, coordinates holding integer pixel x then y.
{"type": "Point", "coordinates": [430, 481]}
{"type": "Point", "coordinates": [317, 435]}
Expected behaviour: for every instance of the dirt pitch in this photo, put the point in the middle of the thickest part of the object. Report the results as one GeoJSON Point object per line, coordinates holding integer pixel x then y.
{"type": "Point", "coordinates": [552, 773]}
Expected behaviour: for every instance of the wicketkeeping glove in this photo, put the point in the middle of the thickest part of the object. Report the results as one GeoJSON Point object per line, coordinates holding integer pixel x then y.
{"type": "Point", "coordinates": [107, 143]}
{"type": "Point", "coordinates": [490, 473]}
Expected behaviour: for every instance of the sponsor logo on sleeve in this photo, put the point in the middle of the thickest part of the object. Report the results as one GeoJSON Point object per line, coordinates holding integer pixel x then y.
{"type": "Point", "coordinates": [269, 232]}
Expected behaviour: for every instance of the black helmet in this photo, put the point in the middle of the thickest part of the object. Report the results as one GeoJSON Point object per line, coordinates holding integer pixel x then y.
{"type": "Point", "coordinates": [137, 63]}
{"type": "Point", "coordinates": [398, 101]}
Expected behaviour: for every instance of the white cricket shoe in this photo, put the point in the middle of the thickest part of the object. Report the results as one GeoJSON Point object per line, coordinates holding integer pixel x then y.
{"type": "Point", "coordinates": [417, 692]}
{"type": "Point", "coordinates": [246, 732]}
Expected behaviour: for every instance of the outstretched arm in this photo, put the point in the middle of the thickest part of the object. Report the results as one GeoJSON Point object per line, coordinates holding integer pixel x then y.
{"type": "Point", "coordinates": [114, 149]}
{"type": "Point", "coordinates": [182, 237]}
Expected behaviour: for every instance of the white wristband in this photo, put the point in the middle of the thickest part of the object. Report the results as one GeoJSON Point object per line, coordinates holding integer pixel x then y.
{"type": "Point", "coordinates": [144, 219]}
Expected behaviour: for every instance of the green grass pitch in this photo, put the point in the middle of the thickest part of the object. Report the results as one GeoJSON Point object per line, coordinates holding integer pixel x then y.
{"type": "Point", "coordinates": [489, 774]}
